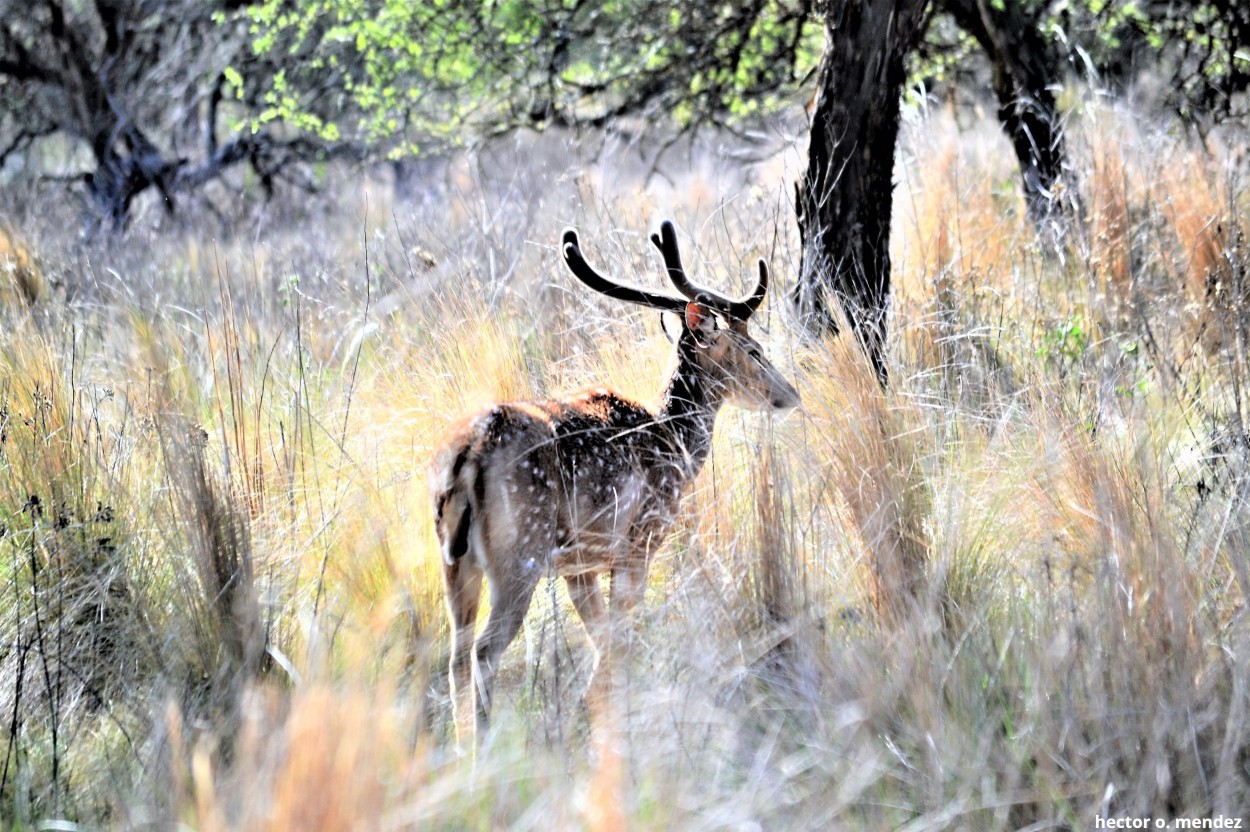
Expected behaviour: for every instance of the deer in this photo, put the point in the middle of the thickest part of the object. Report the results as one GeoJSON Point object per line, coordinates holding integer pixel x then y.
{"type": "Point", "coordinates": [586, 484]}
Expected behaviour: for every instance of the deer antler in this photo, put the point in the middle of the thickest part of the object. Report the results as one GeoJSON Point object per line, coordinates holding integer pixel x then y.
{"type": "Point", "coordinates": [741, 309]}
{"type": "Point", "coordinates": [620, 291]}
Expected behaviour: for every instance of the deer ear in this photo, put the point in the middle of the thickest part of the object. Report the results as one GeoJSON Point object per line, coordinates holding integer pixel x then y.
{"type": "Point", "coordinates": [700, 321]}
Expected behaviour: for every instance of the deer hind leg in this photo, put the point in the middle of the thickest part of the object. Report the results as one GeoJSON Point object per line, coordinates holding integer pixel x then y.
{"type": "Point", "coordinates": [588, 601]}
{"type": "Point", "coordinates": [510, 600]}
{"type": "Point", "coordinates": [462, 580]}
{"type": "Point", "coordinates": [628, 585]}
{"type": "Point", "coordinates": [608, 630]}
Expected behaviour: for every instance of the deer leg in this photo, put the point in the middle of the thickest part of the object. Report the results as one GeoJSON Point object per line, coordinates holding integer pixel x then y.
{"type": "Point", "coordinates": [462, 581]}
{"type": "Point", "coordinates": [628, 583]}
{"type": "Point", "coordinates": [588, 601]}
{"type": "Point", "coordinates": [510, 600]}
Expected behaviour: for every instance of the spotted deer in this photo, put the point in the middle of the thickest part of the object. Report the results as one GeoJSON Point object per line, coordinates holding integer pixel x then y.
{"type": "Point", "coordinates": [587, 484]}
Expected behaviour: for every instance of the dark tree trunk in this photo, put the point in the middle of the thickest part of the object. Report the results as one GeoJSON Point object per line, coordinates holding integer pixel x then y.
{"type": "Point", "coordinates": [97, 71]}
{"type": "Point", "coordinates": [845, 198]}
{"type": "Point", "coordinates": [1024, 71]}
{"type": "Point", "coordinates": [127, 164]}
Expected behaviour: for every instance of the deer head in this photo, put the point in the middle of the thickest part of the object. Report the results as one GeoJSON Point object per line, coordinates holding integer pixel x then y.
{"type": "Point", "coordinates": [715, 348]}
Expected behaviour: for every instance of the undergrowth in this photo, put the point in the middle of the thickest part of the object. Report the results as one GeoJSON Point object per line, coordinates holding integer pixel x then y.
{"type": "Point", "coordinates": [1007, 593]}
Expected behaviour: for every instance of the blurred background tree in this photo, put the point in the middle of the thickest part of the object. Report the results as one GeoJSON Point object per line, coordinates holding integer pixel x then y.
{"type": "Point", "coordinates": [136, 87]}
{"type": "Point", "coordinates": [170, 95]}
{"type": "Point", "coordinates": [447, 71]}
{"type": "Point", "coordinates": [457, 70]}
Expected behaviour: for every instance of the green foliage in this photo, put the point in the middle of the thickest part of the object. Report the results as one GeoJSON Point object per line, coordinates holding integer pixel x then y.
{"type": "Point", "coordinates": [381, 58]}
{"type": "Point", "coordinates": [1064, 345]}
{"type": "Point", "coordinates": [405, 75]}
{"type": "Point", "coordinates": [1201, 45]}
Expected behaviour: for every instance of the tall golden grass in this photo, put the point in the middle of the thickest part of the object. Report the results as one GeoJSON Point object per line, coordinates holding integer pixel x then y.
{"type": "Point", "coordinates": [1008, 593]}
{"type": "Point", "coordinates": [20, 277]}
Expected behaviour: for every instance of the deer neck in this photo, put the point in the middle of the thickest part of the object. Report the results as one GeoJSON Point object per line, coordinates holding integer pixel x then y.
{"type": "Point", "coordinates": [688, 410]}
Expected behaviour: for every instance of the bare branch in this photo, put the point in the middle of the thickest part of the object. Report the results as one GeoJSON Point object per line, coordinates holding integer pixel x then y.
{"type": "Point", "coordinates": [21, 141]}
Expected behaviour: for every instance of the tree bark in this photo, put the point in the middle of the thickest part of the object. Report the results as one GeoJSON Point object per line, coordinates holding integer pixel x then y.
{"type": "Point", "coordinates": [110, 73]}
{"type": "Point", "coordinates": [845, 199]}
{"type": "Point", "coordinates": [127, 164]}
{"type": "Point", "coordinates": [1024, 71]}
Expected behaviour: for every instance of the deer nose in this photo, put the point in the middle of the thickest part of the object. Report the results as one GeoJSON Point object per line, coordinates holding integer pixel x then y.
{"type": "Point", "coordinates": [785, 399]}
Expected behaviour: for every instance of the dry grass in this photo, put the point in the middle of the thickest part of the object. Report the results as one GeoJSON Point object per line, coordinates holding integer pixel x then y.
{"type": "Point", "coordinates": [20, 277]}
{"type": "Point", "coordinates": [1008, 593]}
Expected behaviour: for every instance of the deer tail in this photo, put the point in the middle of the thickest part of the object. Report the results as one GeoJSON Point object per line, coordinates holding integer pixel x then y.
{"type": "Point", "coordinates": [452, 483]}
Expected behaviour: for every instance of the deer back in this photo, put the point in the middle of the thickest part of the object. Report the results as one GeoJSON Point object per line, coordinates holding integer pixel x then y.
{"type": "Point", "coordinates": [573, 483]}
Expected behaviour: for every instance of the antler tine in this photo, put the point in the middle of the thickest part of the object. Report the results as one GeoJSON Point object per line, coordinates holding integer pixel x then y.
{"type": "Point", "coordinates": [742, 309]}
{"type": "Point", "coordinates": [572, 251]}
{"type": "Point", "coordinates": [666, 242]}
{"type": "Point", "coordinates": [753, 300]}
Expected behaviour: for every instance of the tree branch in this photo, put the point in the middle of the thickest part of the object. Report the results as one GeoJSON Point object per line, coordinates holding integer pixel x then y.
{"type": "Point", "coordinates": [210, 116]}
{"type": "Point", "coordinates": [21, 141]}
{"type": "Point", "coordinates": [21, 66]}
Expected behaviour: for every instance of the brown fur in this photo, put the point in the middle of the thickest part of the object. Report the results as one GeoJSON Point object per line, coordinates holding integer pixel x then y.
{"type": "Point", "coordinates": [576, 487]}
